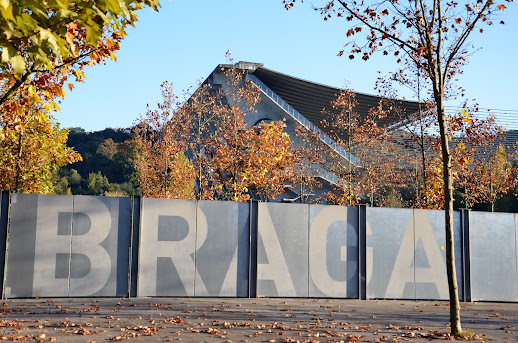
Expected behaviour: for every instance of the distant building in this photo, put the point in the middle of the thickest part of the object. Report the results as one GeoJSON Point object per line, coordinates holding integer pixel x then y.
{"type": "Point", "coordinates": [300, 102]}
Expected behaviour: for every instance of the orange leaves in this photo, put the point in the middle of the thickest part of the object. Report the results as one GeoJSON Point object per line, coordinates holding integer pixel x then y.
{"type": "Point", "coordinates": [164, 170]}
{"type": "Point", "coordinates": [363, 138]}
{"type": "Point", "coordinates": [228, 159]}
{"type": "Point", "coordinates": [488, 178]}
{"type": "Point", "coordinates": [270, 159]}
{"type": "Point", "coordinates": [61, 38]}
{"type": "Point", "coordinates": [501, 7]}
{"type": "Point", "coordinates": [254, 159]}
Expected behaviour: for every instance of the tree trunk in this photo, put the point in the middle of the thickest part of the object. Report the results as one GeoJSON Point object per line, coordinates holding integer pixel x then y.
{"type": "Point", "coordinates": [349, 151]}
{"type": "Point", "coordinates": [456, 327]}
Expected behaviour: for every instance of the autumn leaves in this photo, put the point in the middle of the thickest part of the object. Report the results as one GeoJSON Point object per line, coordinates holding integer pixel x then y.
{"type": "Point", "coordinates": [204, 149]}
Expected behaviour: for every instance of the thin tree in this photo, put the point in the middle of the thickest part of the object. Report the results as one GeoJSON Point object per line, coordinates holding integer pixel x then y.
{"type": "Point", "coordinates": [342, 124]}
{"type": "Point", "coordinates": [433, 35]}
{"type": "Point", "coordinates": [495, 174]}
{"type": "Point", "coordinates": [161, 140]}
{"type": "Point", "coordinates": [369, 142]}
{"type": "Point", "coordinates": [309, 161]}
{"type": "Point", "coordinates": [201, 113]}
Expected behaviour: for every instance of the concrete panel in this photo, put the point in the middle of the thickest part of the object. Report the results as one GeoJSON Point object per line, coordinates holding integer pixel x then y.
{"type": "Point", "coordinates": [4, 219]}
{"type": "Point", "coordinates": [390, 253]}
{"type": "Point", "coordinates": [430, 254]}
{"type": "Point", "coordinates": [282, 256]}
{"type": "Point", "coordinates": [39, 246]}
{"type": "Point", "coordinates": [493, 256]}
{"type": "Point", "coordinates": [333, 251]}
{"type": "Point", "coordinates": [167, 247]}
{"type": "Point", "coordinates": [100, 246]}
{"type": "Point", "coordinates": [222, 249]}
{"type": "Point", "coordinates": [135, 234]}
{"type": "Point", "coordinates": [252, 272]}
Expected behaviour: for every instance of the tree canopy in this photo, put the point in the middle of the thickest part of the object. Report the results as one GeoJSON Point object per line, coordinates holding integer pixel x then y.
{"type": "Point", "coordinates": [43, 44]}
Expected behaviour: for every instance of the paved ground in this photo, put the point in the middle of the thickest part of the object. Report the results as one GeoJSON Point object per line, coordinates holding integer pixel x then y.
{"type": "Point", "coordinates": [247, 320]}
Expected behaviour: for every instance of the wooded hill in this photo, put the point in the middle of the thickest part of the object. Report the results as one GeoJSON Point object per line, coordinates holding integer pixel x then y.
{"type": "Point", "coordinates": [107, 165]}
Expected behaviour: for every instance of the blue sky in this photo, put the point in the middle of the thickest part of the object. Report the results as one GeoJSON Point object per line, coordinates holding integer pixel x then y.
{"type": "Point", "coordinates": [186, 40]}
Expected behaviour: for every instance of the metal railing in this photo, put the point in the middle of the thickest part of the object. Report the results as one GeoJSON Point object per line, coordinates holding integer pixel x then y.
{"type": "Point", "coordinates": [302, 120]}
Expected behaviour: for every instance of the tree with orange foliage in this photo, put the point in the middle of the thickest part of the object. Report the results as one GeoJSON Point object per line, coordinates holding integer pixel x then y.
{"type": "Point", "coordinates": [200, 113]}
{"type": "Point", "coordinates": [380, 157]}
{"type": "Point", "coordinates": [161, 141]}
{"type": "Point", "coordinates": [204, 149]}
{"type": "Point", "coordinates": [369, 145]}
{"type": "Point", "coordinates": [309, 161]}
{"type": "Point", "coordinates": [246, 160]}
{"type": "Point", "coordinates": [343, 126]}
{"type": "Point", "coordinates": [268, 159]}
{"type": "Point", "coordinates": [492, 176]}
{"type": "Point", "coordinates": [432, 36]}
{"type": "Point", "coordinates": [471, 139]}
{"type": "Point", "coordinates": [476, 152]}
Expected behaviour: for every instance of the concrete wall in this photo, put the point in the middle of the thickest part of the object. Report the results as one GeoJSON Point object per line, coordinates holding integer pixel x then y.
{"type": "Point", "coordinates": [101, 246]}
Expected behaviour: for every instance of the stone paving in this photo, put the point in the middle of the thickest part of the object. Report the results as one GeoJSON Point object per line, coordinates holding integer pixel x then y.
{"type": "Point", "coordinates": [248, 320]}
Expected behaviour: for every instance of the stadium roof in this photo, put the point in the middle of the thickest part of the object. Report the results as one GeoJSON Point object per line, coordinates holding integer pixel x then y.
{"type": "Point", "coordinates": [310, 98]}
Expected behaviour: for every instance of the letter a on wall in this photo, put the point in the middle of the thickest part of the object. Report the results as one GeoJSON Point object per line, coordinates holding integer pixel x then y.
{"type": "Point", "coordinates": [419, 259]}
{"type": "Point", "coordinates": [282, 256]}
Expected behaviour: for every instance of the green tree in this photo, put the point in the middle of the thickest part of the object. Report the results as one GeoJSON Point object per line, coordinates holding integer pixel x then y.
{"type": "Point", "coordinates": [43, 44]}
{"type": "Point", "coordinates": [43, 37]}
{"type": "Point", "coordinates": [74, 178]}
{"type": "Point", "coordinates": [110, 152]}
{"type": "Point", "coordinates": [97, 184]}
{"type": "Point", "coordinates": [32, 150]}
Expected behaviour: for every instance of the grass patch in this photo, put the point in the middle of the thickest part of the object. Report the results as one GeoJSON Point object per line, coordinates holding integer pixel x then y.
{"type": "Point", "coordinates": [467, 335]}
